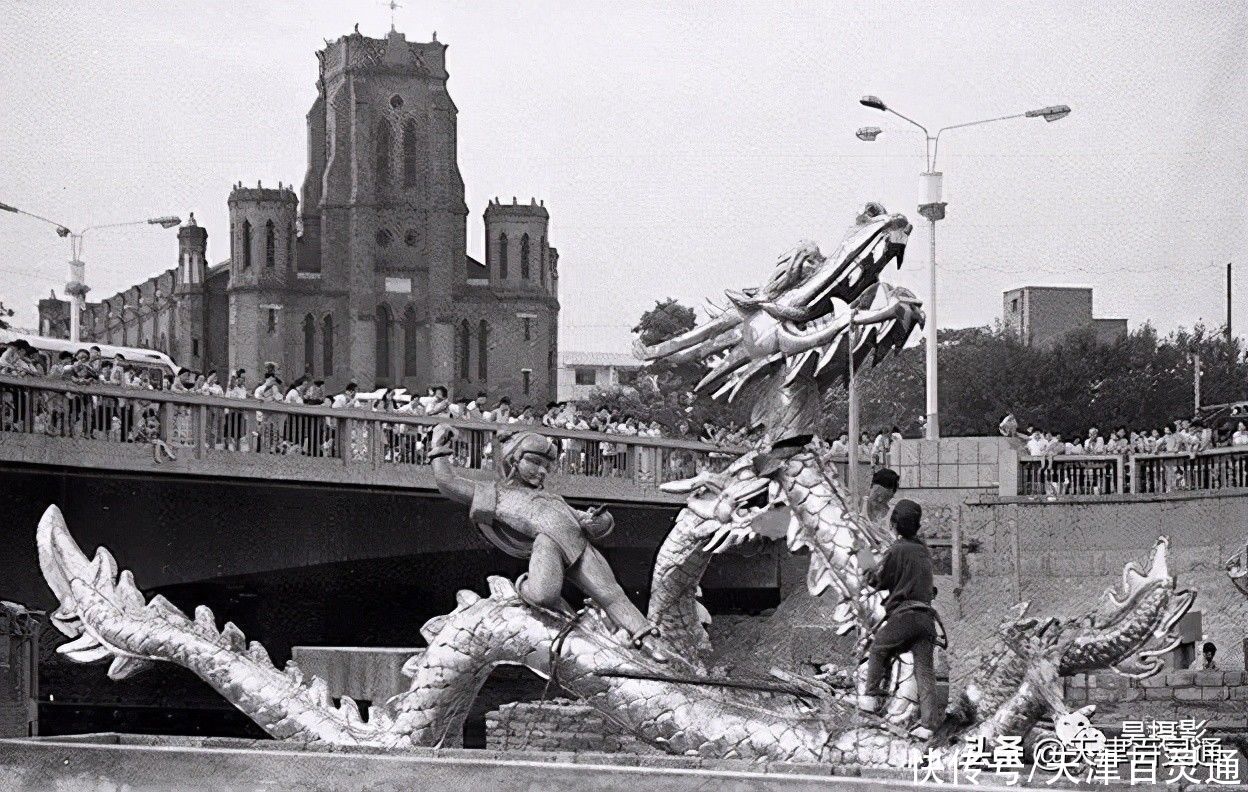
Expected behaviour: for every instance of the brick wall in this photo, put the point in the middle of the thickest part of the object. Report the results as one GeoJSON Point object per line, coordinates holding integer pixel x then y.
{"type": "Point", "coordinates": [557, 725]}
{"type": "Point", "coordinates": [1220, 697]}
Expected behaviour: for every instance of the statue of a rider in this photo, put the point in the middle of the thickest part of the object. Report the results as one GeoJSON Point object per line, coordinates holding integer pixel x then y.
{"type": "Point", "coordinates": [523, 519]}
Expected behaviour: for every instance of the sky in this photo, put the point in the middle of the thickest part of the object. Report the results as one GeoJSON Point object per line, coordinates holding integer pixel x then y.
{"type": "Point", "coordinates": [679, 146]}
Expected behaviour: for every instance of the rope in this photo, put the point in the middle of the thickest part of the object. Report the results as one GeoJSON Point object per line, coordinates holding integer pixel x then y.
{"type": "Point", "coordinates": [764, 687]}
{"type": "Point", "coordinates": [556, 651]}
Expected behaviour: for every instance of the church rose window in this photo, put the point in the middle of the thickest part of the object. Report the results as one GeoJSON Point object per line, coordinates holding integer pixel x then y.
{"type": "Point", "coordinates": [396, 101]}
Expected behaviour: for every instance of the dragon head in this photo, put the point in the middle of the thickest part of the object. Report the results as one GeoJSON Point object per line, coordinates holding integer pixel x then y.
{"type": "Point", "coordinates": [1133, 626]}
{"type": "Point", "coordinates": [733, 507]}
{"type": "Point", "coordinates": [796, 328]}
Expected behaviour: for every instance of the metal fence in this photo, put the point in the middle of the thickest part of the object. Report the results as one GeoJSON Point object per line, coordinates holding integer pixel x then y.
{"type": "Point", "coordinates": [173, 424]}
{"type": "Point", "coordinates": [1217, 468]}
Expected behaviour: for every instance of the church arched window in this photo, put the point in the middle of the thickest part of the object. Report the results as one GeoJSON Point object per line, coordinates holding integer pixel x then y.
{"type": "Point", "coordinates": [382, 365]}
{"type": "Point", "coordinates": [270, 244]}
{"type": "Point", "coordinates": [384, 144]}
{"type": "Point", "coordinates": [290, 247]}
{"type": "Point", "coordinates": [309, 343]}
{"type": "Point", "coordinates": [524, 257]}
{"type": "Point", "coordinates": [327, 346]}
{"type": "Point", "coordinates": [411, 343]}
{"type": "Point", "coordinates": [409, 153]}
{"type": "Point", "coordinates": [465, 349]}
{"type": "Point", "coordinates": [541, 262]}
{"type": "Point", "coordinates": [502, 255]}
{"type": "Point", "coordinates": [483, 351]}
{"type": "Point", "coordinates": [246, 242]}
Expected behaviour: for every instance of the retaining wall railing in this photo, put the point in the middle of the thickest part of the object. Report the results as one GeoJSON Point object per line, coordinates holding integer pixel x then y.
{"type": "Point", "coordinates": [1111, 474]}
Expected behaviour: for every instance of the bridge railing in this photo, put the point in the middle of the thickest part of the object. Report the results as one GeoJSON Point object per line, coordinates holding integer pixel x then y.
{"type": "Point", "coordinates": [1106, 474]}
{"type": "Point", "coordinates": [1097, 474]}
{"type": "Point", "coordinates": [175, 423]}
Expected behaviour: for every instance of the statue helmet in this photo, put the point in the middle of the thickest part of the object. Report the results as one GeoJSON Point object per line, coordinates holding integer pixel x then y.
{"type": "Point", "coordinates": [511, 447]}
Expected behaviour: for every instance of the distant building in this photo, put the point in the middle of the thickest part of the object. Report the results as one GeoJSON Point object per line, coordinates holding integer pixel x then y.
{"type": "Point", "coordinates": [580, 373]}
{"type": "Point", "coordinates": [1042, 315]}
{"type": "Point", "coordinates": [365, 276]}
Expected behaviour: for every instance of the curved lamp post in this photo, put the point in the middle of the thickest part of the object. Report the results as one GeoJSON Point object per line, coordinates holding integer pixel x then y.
{"type": "Point", "coordinates": [77, 288]}
{"type": "Point", "coordinates": [933, 209]}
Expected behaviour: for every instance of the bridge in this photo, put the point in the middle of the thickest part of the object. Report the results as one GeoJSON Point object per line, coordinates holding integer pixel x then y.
{"type": "Point", "coordinates": [250, 492]}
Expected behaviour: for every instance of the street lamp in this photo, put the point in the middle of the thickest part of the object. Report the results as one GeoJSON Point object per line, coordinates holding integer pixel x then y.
{"type": "Point", "coordinates": [933, 209]}
{"type": "Point", "coordinates": [76, 289]}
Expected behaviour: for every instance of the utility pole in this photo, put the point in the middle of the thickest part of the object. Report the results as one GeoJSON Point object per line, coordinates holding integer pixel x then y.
{"type": "Point", "coordinates": [1229, 334]}
{"type": "Point", "coordinates": [851, 469]}
{"type": "Point", "coordinates": [1196, 382]}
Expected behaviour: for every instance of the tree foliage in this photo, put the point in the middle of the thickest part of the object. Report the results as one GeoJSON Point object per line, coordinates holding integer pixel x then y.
{"type": "Point", "coordinates": [5, 313]}
{"type": "Point", "coordinates": [1142, 381]}
{"type": "Point", "coordinates": [662, 391]}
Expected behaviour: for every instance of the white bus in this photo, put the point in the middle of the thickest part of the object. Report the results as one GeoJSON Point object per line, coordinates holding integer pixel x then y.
{"type": "Point", "coordinates": [51, 348]}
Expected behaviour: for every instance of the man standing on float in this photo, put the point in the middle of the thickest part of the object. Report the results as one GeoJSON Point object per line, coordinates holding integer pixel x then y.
{"type": "Point", "coordinates": [523, 519]}
{"type": "Point", "coordinates": [910, 624]}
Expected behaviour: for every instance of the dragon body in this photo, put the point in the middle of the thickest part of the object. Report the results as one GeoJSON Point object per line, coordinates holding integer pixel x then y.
{"type": "Point", "coordinates": [787, 340]}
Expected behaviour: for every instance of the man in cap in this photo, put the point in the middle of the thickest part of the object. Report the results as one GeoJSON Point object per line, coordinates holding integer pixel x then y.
{"type": "Point", "coordinates": [523, 519]}
{"type": "Point", "coordinates": [910, 622]}
{"type": "Point", "coordinates": [878, 500]}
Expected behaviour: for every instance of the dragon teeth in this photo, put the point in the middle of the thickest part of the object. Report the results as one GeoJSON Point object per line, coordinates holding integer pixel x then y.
{"type": "Point", "coordinates": [206, 621]}
{"type": "Point", "coordinates": [350, 711]}
{"type": "Point", "coordinates": [318, 691]}
{"type": "Point", "coordinates": [123, 667]}
{"type": "Point", "coordinates": [128, 594]}
{"type": "Point", "coordinates": [82, 643]}
{"type": "Point", "coordinates": [163, 606]}
{"type": "Point", "coordinates": [103, 569]}
{"type": "Point", "coordinates": [232, 638]}
{"type": "Point", "coordinates": [257, 652]}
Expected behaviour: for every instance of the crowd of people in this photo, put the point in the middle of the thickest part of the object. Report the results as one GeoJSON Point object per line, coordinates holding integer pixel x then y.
{"type": "Point", "coordinates": [1185, 437]}
{"type": "Point", "coordinates": [104, 416]}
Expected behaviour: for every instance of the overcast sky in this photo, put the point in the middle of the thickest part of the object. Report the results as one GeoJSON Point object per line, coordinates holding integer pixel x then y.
{"type": "Point", "coordinates": [680, 146]}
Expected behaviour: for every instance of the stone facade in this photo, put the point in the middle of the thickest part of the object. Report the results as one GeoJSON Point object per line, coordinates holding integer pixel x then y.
{"type": "Point", "coordinates": [365, 276]}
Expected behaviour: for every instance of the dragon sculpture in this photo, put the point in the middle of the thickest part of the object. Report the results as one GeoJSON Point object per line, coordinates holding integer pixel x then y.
{"type": "Point", "coordinates": [784, 341]}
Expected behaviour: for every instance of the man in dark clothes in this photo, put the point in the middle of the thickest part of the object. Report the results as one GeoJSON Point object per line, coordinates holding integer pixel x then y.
{"type": "Point", "coordinates": [909, 625]}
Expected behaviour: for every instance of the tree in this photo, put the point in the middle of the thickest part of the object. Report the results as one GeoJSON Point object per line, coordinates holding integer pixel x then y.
{"type": "Point", "coordinates": [667, 319]}
{"type": "Point", "coordinates": [663, 391]}
{"type": "Point", "coordinates": [5, 313]}
{"type": "Point", "coordinates": [1141, 381]}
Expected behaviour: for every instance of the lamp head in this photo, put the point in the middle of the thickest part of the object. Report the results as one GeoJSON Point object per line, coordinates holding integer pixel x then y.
{"type": "Point", "coordinates": [874, 102]}
{"type": "Point", "coordinates": [1051, 113]}
{"type": "Point", "coordinates": [869, 134]}
{"type": "Point", "coordinates": [165, 222]}
{"type": "Point", "coordinates": [62, 231]}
